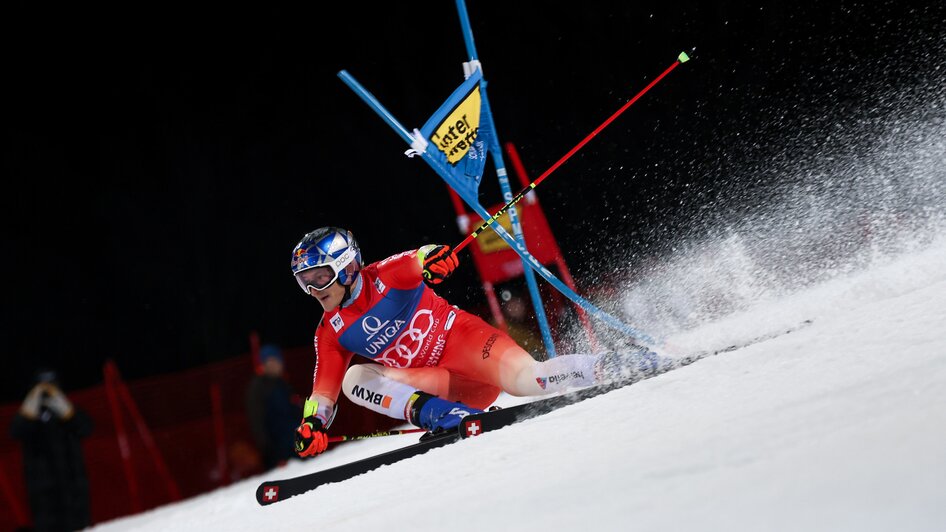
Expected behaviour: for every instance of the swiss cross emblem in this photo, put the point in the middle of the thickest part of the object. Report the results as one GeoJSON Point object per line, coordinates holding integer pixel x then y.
{"type": "Point", "coordinates": [270, 493]}
{"type": "Point", "coordinates": [474, 427]}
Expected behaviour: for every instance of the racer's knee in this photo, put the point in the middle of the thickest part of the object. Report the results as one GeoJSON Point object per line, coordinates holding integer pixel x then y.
{"type": "Point", "coordinates": [366, 385]}
{"type": "Point", "coordinates": [360, 373]}
{"type": "Point", "coordinates": [516, 370]}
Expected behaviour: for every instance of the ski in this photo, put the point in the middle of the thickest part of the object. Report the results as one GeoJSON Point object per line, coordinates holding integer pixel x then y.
{"type": "Point", "coordinates": [272, 491]}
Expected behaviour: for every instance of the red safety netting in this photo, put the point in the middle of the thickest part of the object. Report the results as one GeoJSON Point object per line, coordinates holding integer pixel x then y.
{"type": "Point", "coordinates": [177, 412]}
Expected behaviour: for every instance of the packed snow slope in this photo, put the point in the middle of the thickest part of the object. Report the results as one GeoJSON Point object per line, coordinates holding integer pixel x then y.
{"type": "Point", "coordinates": [838, 426]}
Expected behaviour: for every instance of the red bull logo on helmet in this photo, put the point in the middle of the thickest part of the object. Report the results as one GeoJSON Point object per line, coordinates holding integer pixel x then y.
{"type": "Point", "coordinates": [298, 258]}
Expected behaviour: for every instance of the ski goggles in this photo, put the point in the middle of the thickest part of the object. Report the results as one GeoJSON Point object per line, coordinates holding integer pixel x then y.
{"type": "Point", "coordinates": [319, 278]}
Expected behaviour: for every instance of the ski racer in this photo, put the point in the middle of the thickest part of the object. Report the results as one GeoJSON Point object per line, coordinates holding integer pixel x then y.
{"type": "Point", "coordinates": [435, 362]}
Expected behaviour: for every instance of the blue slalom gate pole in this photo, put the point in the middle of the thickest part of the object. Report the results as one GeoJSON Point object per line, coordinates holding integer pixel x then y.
{"type": "Point", "coordinates": [497, 153]}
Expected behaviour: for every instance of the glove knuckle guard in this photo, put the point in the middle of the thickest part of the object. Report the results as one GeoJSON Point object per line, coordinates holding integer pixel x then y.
{"type": "Point", "coordinates": [439, 264]}
{"type": "Point", "coordinates": [310, 437]}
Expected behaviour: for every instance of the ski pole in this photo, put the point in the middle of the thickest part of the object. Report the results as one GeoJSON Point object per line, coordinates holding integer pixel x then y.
{"type": "Point", "coordinates": [395, 432]}
{"type": "Point", "coordinates": [682, 58]}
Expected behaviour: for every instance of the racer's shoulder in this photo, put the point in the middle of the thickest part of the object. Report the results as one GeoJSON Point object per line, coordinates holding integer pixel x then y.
{"type": "Point", "coordinates": [397, 257]}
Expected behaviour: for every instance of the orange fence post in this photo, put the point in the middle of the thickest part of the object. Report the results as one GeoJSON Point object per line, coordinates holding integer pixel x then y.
{"type": "Point", "coordinates": [145, 434]}
{"type": "Point", "coordinates": [111, 374]}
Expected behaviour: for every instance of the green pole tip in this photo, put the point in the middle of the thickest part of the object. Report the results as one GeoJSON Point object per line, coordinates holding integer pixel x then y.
{"type": "Point", "coordinates": [683, 57]}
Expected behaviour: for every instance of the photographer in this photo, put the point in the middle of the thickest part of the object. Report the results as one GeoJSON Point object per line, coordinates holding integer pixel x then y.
{"type": "Point", "coordinates": [50, 429]}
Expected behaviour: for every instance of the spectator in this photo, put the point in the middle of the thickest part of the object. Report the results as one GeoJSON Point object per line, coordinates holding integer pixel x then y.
{"type": "Point", "coordinates": [270, 409]}
{"type": "Point", "coordinates": [50, 429]}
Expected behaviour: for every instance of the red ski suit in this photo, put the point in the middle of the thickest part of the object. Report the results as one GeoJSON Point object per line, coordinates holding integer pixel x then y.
{"type": "Point", "coordinates": [396, 320]}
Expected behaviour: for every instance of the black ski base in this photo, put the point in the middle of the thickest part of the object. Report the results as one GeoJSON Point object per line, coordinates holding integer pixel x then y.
{"type": "Point", "coordinates": [273, 491]}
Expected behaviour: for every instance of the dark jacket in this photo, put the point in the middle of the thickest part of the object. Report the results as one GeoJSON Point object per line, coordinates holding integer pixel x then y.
{"type": "Point", "coordinates": [273, 418]}
{"type": "Point", "coordinates": [54, 468]}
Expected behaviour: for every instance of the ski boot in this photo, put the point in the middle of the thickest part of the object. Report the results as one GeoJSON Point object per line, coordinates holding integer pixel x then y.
{"type": "Point", "coordinates": [437, 415]}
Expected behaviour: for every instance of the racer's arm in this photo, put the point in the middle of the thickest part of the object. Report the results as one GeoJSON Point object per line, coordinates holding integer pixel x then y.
{"type": "Point", "coordinates": [431, 263]}
{"type": "Point", "coordinates": [331, 361]}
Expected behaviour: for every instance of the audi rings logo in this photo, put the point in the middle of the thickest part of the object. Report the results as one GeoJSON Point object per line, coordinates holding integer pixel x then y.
{"type": "Point", "coordinates": [409, 343]}
{"type": "Point", "coordinates": [379, 333]}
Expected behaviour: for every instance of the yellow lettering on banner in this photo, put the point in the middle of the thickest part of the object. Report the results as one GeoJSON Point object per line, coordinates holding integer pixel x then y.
{"type": "Point", "coordinates": [455, 135]}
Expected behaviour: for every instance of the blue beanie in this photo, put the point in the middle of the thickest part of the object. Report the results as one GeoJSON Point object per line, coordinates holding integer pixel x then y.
{"type": "Point", "coordinates": [269, 351]}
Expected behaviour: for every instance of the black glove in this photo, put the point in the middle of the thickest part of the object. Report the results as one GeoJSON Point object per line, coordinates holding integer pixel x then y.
{"type": "Point", "coordinates": [439, 263]}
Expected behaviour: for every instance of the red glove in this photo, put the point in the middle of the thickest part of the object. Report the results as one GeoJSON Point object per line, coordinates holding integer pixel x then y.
{"type": "Point", "coordinates": [311, 437]}
{"type": "Point", "coordinates": [439, 263]}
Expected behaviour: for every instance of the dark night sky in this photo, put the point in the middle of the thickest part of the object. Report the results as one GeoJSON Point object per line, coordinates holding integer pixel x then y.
{"type": "Point", "coordinates": [161, 161]}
